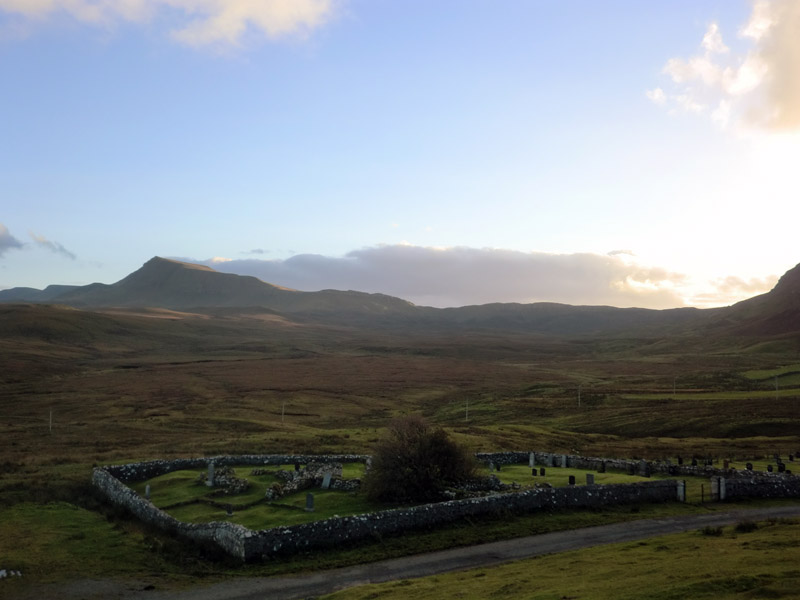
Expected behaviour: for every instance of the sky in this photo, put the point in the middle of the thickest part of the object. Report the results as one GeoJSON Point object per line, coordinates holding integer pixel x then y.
{"type": "Point", "coordinates": [454, 152]}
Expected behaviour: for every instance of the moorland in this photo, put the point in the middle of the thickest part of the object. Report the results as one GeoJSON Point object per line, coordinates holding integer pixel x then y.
{"type": "Point", "coordinates": [177, 360]}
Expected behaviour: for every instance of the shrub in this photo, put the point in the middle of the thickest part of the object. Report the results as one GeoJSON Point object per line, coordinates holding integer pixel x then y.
{"type": "Point", "coordinates": [745, 527]}
{"type": "Point", "coordinates": [712, 531]}
{"type": "Point", "coordinates": [415, 463]}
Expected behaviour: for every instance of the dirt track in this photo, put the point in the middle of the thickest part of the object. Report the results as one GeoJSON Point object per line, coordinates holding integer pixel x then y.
{"type": "Point", "coordinates": [421, 565]}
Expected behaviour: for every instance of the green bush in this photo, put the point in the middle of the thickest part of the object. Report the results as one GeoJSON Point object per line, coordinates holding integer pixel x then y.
{"type": "Point", "coordinates": [415, 463]}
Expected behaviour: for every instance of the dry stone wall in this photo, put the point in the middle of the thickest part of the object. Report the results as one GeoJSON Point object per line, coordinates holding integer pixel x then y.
{"type": "Point", "coordinates": [548, 459]}
{"type": "Point", "coordinates": [246, 544]}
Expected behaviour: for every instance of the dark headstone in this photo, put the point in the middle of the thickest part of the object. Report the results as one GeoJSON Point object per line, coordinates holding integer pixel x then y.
{"type": "Point", "coordinates": [791, 457]}
{"type": "Point", "coordinates": [769, 468]}
{"type": "Point", "coordinates": [602, 467]}
{"type": "Point", "coordinates": [534, 472]}
{"type": "Point", "coordinates": [694, 462]}
{"type": "Point", "coordinates": [749, 466]}
{"type": "Point", "coordinates": [726, 464]}
{"type": "Point", "coordinates": [590, 479]}
{"type": "Point", "coordinates": [541, 471]}
{"type": "Point", "coordinates": [781, 468]}
{"type": "Point", "coordinates": [309, 502]}
{"type": "Point", "coordinates": [631, 469]}
{"type": "Point", "coordinates": [498, 467]}
{"type": "Point", "coordinates": [787, 472]}
{"type": "Point", "coordinates": [680, 460]}
{"type": "Point", "coordinates": [229, 510]}
{"type": "Point", "coordinates": [296, 466]}
{"type": "Point", "coordinates": [572, 479]}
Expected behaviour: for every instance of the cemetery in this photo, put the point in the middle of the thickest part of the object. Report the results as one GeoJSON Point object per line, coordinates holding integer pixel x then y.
{"type": "Point", "coordinates": [258, 506]}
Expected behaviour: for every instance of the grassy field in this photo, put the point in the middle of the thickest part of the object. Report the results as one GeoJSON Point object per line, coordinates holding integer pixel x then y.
{"type": "Point", "coordinates": [125, 388]}
{"type": "Point", "coordinates": [742, 563]}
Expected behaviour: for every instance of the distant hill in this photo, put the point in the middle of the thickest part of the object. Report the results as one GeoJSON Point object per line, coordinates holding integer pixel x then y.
{"type": "Point", "coordinates": [168, 284]}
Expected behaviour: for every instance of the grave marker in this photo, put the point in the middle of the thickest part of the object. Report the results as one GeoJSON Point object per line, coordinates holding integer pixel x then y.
{"type": "Point", "coordinates": [726, 464]}
{"type": "Point", "coordinates": [769, 468]}
{"type": "Point", "coordinates": [602, 467]}
{"type": "Point", "coordinates": [564, 461]}
{"type": "Point", "coordinates": [326, 481]}
{"type": "Point", "coordinates": [590, 479]}
{"type": "Point", "coordinates": [572, 479]}
{"type": "Point", "coordinates": [694, 462]}
{"type": "Point", "coordinates": [229, 510]}
{"type": "Point", "coordinates": [531, 460]}
{"type": "Point", "coordinates": [749, 466]}
{"type": "Point", "coordinates": [210, 479]}
{"type": "Point", "coordinates": [147, 491]}
{"type": "Point", "coordinates": [309, 502]}
{"type": "Point", "coordinates": [533, 472]}
{"type": "Point", "coordinates": [781, 468]}
{"type": "Point", "coordinates": [541, 471]}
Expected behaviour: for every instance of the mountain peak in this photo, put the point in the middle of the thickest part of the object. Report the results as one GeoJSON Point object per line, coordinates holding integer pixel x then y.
{"type": "Point", "coordinates": [158, 261]}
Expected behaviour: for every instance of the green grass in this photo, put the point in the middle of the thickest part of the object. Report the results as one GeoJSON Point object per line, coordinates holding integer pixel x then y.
{"type": "Point", "coordinates": [50, 541]}
{"type": "Point", "coordinates": [762, 563]}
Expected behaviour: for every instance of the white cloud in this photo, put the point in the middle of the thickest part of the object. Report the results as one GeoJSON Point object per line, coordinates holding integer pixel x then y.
{"type": "Point", "coordinates": [728, 290]}
{"type": "Point", "coordinates": [200, 22]}
{"type": "Point", "coordinates": [758, 88]}
{"type": "Point", "coordinates": [657, 95]}
{"type": "Point", "coordinates": [460, 276]}
{"type": "Point", "coordinates": [7, 241]}
{"type": "Point", "coordinates": [54, 247]}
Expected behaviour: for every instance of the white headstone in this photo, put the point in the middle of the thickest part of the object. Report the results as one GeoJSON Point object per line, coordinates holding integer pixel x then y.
{"type": "Point", "coordinates": [531, 460]}
{"type": "Point", "coordinates": [326, 481]}
{"type": "Point", "coordinates": [147, 491]}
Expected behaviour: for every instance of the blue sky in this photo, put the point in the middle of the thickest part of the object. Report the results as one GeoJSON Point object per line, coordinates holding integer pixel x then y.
{"type": "Point", "coordinates": [448, 152]}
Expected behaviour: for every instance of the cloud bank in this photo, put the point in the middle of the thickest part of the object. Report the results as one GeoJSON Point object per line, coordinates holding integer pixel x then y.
{"type": "Point", "coordinates": [759, 88]}
{"type": "Point", "coordinates": [7, 241]}
{"type": "Point", "coordinates": [462, 276]}
{"type": "Point", "coordinates": [196, 22]}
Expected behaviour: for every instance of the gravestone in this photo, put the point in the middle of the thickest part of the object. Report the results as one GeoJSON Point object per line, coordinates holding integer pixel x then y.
{"type": "Point", "coordinates": [491, 467]}
{"type": "Point", "coordinates": [602, 467]}
{"type": "Point", "coordinates": [781, 468]}
{"type": "Point", "coordinates": [531, 460]}
{"type": "Point", "coordinates": [631, 469]}
{"type": "Point", "coordinates": [309, 502]}
{"type": "Point", "coordinates": [210, 479]}
{"type": "Point", "coordinates": [326, 481]}
{"type": "Point", "coordinates": [533, 472]}
{"type": "Point", "coordinates": [749, 466]}
{"type": "Point", "coordinates": [147, 491]}
{"type": "Point", "coordinates": [550, 460]}
{"type": "Point", "coordinates": [229, 510]}
{"type": "Point", "coordinates": [644, 468]}
{"type": "Point", "coordinates": [791, 457]}
{"type": "Point", "coordinates": [541, 471]}
{"type": "Point", "coordinates": [769, 468]}
{"type": "Point", "coordinates": [498, 467]}
{"type": "Point", "coordinates": [572, 479]}
{"type": "Point", "coordinates": [694, 462]}
{"type": "Point", "coordinates": [787, 472]}
{"type": "Point", "coordinates": [564, 461]}
{"type": "Point", "coordinates": [590, 479]}
{"type": "Point", "coordinates": [726, 464]}
{"type": "Point", "coordinates": [296, 466]}
{"type": "Point", "coordinates": [680, 460]}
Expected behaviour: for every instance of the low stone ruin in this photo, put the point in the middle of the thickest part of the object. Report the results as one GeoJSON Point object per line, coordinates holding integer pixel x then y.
{"type": "Point", "coordinates": [224, 480]}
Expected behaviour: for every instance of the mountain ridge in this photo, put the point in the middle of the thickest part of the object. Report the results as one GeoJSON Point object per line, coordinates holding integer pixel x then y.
{"type": "Point", "coordinates": [175, 285]}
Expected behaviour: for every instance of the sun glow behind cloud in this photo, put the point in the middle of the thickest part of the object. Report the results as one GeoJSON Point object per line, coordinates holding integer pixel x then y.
{"type": "Point", "coordinates": [758, 89]}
